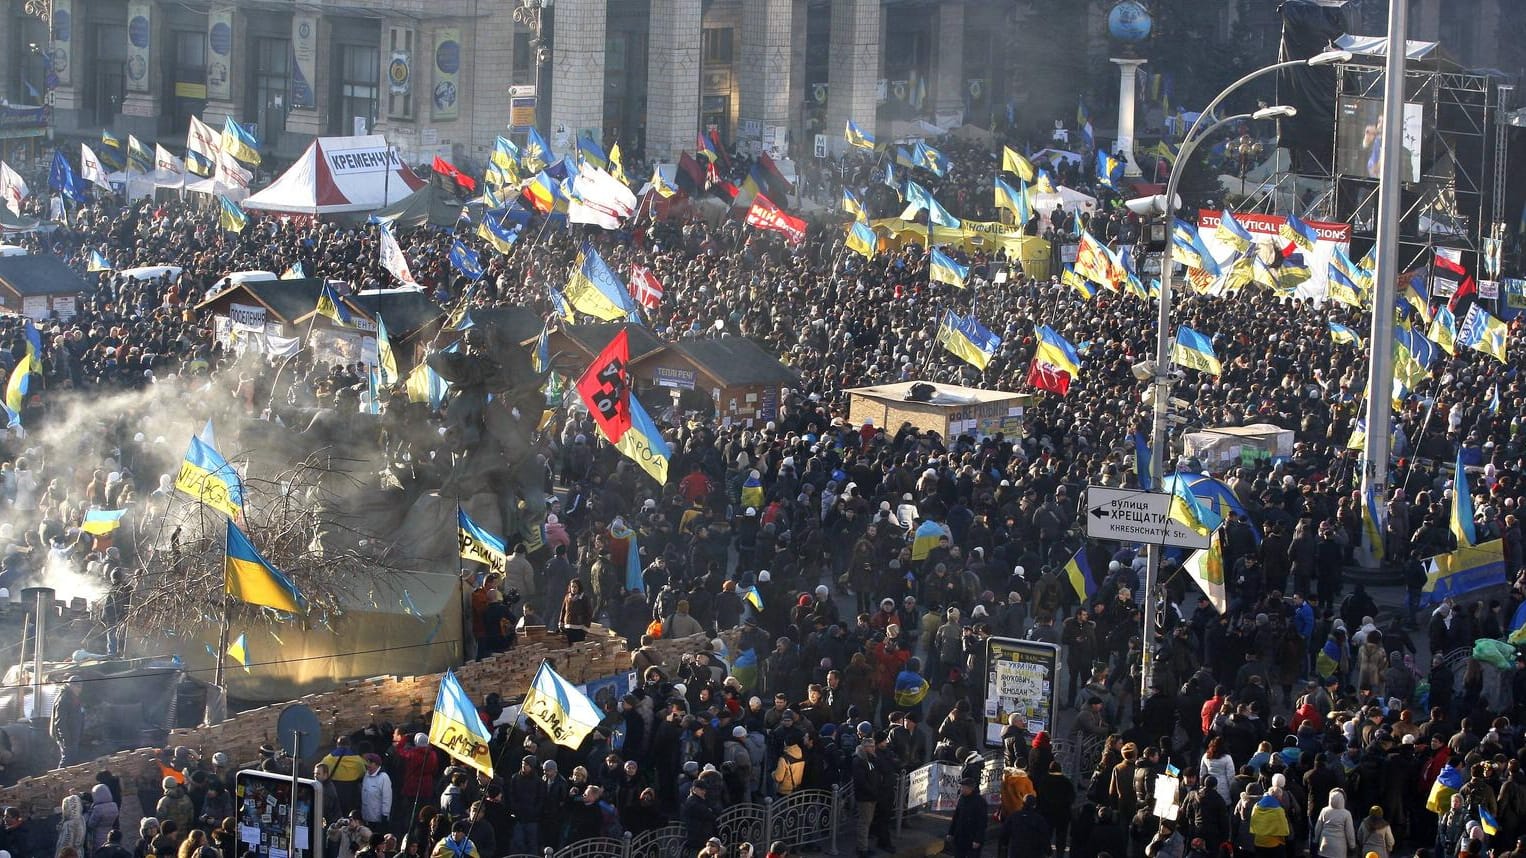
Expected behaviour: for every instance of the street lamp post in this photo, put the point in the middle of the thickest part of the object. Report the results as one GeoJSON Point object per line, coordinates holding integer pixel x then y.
{"type": "Point", "coordinates": [1162, 380]}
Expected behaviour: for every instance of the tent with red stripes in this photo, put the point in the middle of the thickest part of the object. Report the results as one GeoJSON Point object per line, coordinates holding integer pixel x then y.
{"type": "Point", "coordinates": [339, 175]}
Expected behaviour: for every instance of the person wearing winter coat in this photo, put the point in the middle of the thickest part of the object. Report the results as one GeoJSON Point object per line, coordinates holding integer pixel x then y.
{"type": "Point", "coordinates": [1218, 764]}
{"type": "Point", "coordinates": [175, 806]}
{"type": "Point", "coordinates": [1334, 830]}
{"type": "Point", "coordinates": [1375, 836]}
{"type": "Point", "coordinates": [375, 794]}
{"type": "Point", "coordinates": [71, 826]}
{"type": "Point", "coordinates": [102, 817]}
{"type": "Point", "coordinates": [967, 828]}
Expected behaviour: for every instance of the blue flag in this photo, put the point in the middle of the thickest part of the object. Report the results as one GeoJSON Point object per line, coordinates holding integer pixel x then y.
{"type": "Point", "coordinates": [465, 260]}
{"type": "Point", "coordinates": [61, 178]}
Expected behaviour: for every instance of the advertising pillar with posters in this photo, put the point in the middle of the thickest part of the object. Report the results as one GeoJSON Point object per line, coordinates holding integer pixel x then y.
{"type": "Point", "coordinates": [1020, 677]}
{"type": "Point", "coordinates": [265, 809]}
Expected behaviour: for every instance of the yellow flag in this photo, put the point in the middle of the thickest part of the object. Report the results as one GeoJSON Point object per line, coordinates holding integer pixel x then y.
{"type": "Point", "coordinates": [1011, 162]}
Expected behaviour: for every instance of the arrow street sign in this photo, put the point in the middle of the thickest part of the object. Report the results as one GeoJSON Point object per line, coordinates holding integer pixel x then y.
{"type": "Point", "coordinates": [1129, 515]}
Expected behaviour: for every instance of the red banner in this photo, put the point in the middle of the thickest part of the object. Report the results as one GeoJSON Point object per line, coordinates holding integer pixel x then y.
{"type": "Point", "coordinates": [1260, 224]}
{"type": "Point", "coordinates": [446, 168]}
{"type": "Point", "coordinates": [605, 388]}
{"type": "Point", "coordinates": [765, 215]}
{"type": "Point", "coordinates": [1045, 376]}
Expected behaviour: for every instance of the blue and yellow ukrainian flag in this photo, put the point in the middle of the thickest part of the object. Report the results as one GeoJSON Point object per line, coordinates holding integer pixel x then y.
{"type": "Point", "coordinates": [493, 231]}
{"type": "Point", "coordinates": [540, 358]}
{"type": "Point", "coordinates": [1188, 248]}
{"type": "Point", "coordinates": [856, 136]}
{"type": "Point", "coordinates": [1481, 331]}
{"type": "Point", "coordinates": [752, 597]}
{"type": "Point", "coordinates": [1079, 573]}
{"type": "Point", "coordinates": [1057, 351]}
{"type": "Point", "coordinates": [207, 476]}
{"type": "Point", "coordinates": [1342, 334]}
{"type": "Point", "coordinates": [941, 268]}
{"type": "Point", "coordinates": [1372, 524]}
{"type": "Point", "coordinates": [926, 538]}
{"type": "Point", "coordinates": [1342, 289]}
{"type": "Point", "coordinates": [238, 142]}
{"type": "Point", "coordinates": [1443, 330]}
{"type": "Point", "coordinates": [231, 217]}
{"type": "Point", "coordinates": [1447, 784]}
{"type": "Point", "coordinates": [250, 578]}
{"type": "Point", "coordinates": [1017, 165]}
{"type": "Point", "coordinates": [294, 271]}
{"type": "Point", "coordinates": [505, 153]}
{"type": "Point", "coordinates": [662, 186]}
{"type": "Point", "coordinates": [1195, 350]}
{"type": "Point", "coordinates": [930, 159]}
{"type": "Point", "coordinates": [97, 262]}
{"type": "Point", "coordinates": [102, 521]}
{"type": "Point", "coordinates": [21, 382]}
{"type": "Point", "coordinates": [589, 151]}
{"type": "Point", "coordinates": [1189, 510]}
{"type": "Point", "coordinates": [111, 151]}
{"type": "Point", "coordinates": [1109, 170]}
{"type": "Point", "coordinates": [594, 289]}
{"type": "Point", "coordinates": [1487, 822]}
{"type": "Point", "coordinates": [385, 357]}
{"type": "Point", "coordinates": [1329, 658]}
{"type": "Point", "coordinates": [1461, 524]}
{"type": "Point", "coordinates": [1299, 233]}
{"type": "Point", "coordinates": [536, 155]}
{"type": "Point", "coordinates": [1231, 232]}
{"type": "Point", "coordinates": [752, 491]}
{"type": "Point", "coordinates": [558, 707]}
{"type": "Point", "coordinates": [479, 545]}
{"type": "Point", "coordinates": [967, 339]}
{"type": "Point", "coordinates": [918, 198]}
{"type": "Point", "coordinates": [853, 206]}
{"type": "Point", "coordinates": [239, 651]}
{"type": "Point", "coordinates": [1080, 284]}
{"type": "Point", "coordinates": [1412, 291]}
{"type": "Point", "coordinates": [332, 307]}
{"type": "Point", "coordinates": [458, 730]}
{"type": "Point", "coordinates": [643, 444]}
{"type": "Point", "coordinates": [465, 260]}
{"type": "Point", "coordinates": [1494, 399]}
{"type": "Point", "coordinates": [861, 239]}
{"type": "Point", "coordinates": [1013, 200]}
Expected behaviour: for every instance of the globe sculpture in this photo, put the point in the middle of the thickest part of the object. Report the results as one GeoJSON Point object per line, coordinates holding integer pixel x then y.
{"type": "Point", "coordinates": [1129, 22]}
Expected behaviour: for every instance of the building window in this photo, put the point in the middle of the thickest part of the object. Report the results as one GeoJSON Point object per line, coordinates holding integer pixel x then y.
{"type": "Point", "coordinates": [716, 47]}
{"type": "Point", "coordinates": [107, 85]}
{"type": "Point", "coordinates": [272, 77]}
{"type": "Point", "coordinates": [400, 63]}
{"type": "Point", "coordinates": [523, 59]}
{"type": "Point", "coordinates": [359, 78]}
{"type": "Point", "coordinates": [187, 81]}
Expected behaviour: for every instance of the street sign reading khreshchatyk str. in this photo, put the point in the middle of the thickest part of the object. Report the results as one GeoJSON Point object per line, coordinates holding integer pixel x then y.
{"type": "Point", "coordinates": [1126, 515]}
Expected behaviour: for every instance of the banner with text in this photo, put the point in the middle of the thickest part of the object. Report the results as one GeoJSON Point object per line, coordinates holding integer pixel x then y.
{"type": "Point", "coordinates": [1020, 677]}
{"type": "Point", "coordinates": [1266, 230]}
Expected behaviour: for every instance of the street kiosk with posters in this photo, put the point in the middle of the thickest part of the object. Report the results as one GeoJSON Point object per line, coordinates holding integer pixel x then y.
{"type": "Point", "coordinates": [1020, 677]}
{"type": "Point", "coordinates": [269, 820]}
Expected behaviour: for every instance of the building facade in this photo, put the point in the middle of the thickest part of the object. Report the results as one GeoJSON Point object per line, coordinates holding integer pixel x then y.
{"type": "Point", "coordinates": [437, 77]}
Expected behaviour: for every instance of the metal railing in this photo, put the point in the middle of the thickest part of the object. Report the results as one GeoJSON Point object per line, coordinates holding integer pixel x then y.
{"type": "Point", "coordinates": [808, 817]}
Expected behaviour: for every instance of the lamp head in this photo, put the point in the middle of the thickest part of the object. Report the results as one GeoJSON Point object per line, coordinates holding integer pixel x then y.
{"type": "Point", "coordinates": [1330, 57]}
{"type": "Point", "coordinates": [1276, 111]}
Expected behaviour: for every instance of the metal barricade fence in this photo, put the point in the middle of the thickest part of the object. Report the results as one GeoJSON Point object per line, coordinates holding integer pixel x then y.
{"type": "Point", "coordinates": [803, 817]}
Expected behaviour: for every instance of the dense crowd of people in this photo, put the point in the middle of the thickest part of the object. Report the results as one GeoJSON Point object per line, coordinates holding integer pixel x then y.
{"type": "Point", "coordinates": [1305, 719]}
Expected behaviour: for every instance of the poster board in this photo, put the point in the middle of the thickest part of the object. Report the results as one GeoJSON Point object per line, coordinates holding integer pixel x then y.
{"type": "Point", "coordinates": [1020, 677]}
{"type": "Point", "coordinates": [264, 811]}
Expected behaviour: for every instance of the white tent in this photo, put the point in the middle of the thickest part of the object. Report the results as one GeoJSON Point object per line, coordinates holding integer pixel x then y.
{"type": "Point", "coordinates": [1068, 198]}
{"type": "Point", "coordinates": [336, 175]}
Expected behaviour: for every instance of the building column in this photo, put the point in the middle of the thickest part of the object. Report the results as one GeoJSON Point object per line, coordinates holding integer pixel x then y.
{"type": "Point", "coordinates": [577, 71]}
{"type": "Point", "coordinates": [491, 66]}
{"type": "Point", "coordinates": [1128, 71]}
{"type": "Point", "coordinates": [672, 72]}
{"type": "Point", "coordinates": [948, 65]}
{"type": "Point", "coordinates": [853, 65]}
{"type": "Point", "coordinates": [767, 65]}
{"type": "Point", "coordinates": [226, 65]}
